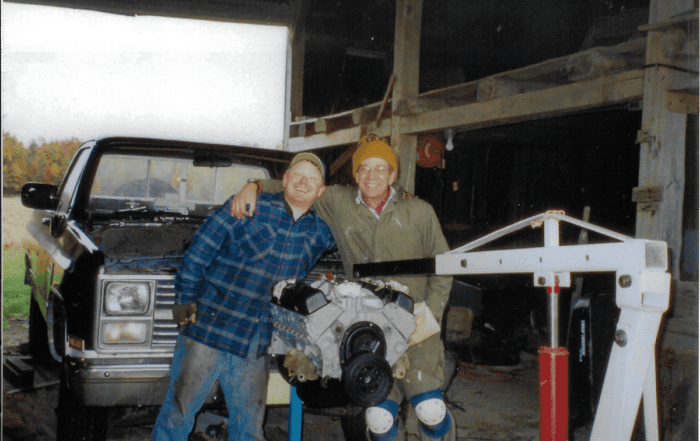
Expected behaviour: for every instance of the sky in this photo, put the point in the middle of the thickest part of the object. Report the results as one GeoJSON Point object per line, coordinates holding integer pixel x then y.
{"type": "Point", "coordinates": [70, 73]}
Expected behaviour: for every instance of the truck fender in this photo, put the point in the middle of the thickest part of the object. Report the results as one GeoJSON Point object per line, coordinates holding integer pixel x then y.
{"type": "Point", "coordinates": [56, 325]}
{"type": "Point", "coordinates": [28, 272]}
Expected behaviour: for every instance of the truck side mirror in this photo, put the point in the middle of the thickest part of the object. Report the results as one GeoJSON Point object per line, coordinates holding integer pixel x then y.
{"type": "Point", "coordinates": [40, 196]}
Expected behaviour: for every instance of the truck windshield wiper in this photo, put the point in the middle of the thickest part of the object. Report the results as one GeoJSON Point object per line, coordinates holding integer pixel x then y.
{"type": "Point", "coordinates": [174, 215]}
{"type": "Point", "coordinates": [145, 212]}
{"type": "Point", "coordinates": [141, 209]}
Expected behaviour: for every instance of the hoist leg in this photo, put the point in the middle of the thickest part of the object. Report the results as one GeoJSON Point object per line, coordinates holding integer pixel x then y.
{"type": "Point", "coordinates": [296, 416]}
{"type": "Point", "coordinates": [630, 373]}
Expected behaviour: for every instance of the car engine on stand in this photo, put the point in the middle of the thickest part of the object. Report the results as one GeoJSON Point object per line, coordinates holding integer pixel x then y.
{"type": "Point", "coordinates": [343, 341]}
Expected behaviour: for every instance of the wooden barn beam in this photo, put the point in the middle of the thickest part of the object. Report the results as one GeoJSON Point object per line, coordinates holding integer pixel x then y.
{"type": "Point", "coordinates": [341, 137]}
{"type": "Point", "coordinates": [297, 37]}
{"type": "Point", "coordinates": [417, 105]}
{"type": "Point", "coordinates": [493, 88]}
{"type": "Point", "coordinates": [662, 135]}
{"type": "Point", "coordinates": [345, 157]}
{"type": "Point", "coordinates": [332, 123]}
{"type": "Point", "coordinates": [366, 114]}
{"type": "Point", "coordinates": [406, 70]}
{"type": "Point", "coordinates": [681, 102]}
{"type": "Point", "coordinates": [294, 71]}
{"type": "Point", "coordinates": [555, 101]}
{"type": "Point", "coordinates": [432, 112]}
{"type": "Point", "coordinates": [617, 72]}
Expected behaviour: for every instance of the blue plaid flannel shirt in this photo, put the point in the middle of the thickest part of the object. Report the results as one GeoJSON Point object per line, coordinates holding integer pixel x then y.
{"type": "Point", "coordinates": [232, 265]}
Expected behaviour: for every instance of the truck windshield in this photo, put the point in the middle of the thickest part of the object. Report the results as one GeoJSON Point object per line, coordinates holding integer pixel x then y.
{"type": "Point", "coordinates": [129, 182]}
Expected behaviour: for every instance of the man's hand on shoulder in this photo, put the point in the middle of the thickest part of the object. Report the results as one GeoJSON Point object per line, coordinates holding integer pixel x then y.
{"type": "Point", "coordinates": [243, 204]}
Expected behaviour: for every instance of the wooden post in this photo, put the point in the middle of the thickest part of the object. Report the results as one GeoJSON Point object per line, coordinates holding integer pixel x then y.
{"type": "Point", "coordinates": [299, 12]}
{"type": "Point", "coordinates": [297, 80]}
{"type": "Point", "coordinates": [406, 65]}
{"type": "Point", "coordinates": [662, 143]}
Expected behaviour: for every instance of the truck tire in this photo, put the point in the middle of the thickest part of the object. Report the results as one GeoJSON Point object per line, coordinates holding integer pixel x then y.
{"type": "Point", "coordinates": [78, 422]}
{"type": "Point", "coordinates": [38, 335]}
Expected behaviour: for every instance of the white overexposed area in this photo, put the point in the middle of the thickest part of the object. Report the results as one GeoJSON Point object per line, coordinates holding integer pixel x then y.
{"type": "Point", "coordinates": [69, 73]}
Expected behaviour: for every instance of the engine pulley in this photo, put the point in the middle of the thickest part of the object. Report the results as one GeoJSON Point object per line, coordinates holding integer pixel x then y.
{"type": "Point", "coordinates": [362, 337]}
{"type": "Point", "coordinates": [368, 379]}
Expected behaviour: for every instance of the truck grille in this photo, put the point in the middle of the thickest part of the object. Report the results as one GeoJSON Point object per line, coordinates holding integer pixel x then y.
{"type": "Point", "coordinates": [164, 328]}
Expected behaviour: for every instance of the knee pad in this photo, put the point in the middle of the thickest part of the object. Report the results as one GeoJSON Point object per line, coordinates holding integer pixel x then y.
{"type": "Point", "coordinates": [379, 420]}
{"type": "Point", "coordinates": [431, 411]}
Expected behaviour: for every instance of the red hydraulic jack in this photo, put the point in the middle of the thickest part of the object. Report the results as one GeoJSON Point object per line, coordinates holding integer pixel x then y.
{"type": "Point", "coordinates": [553, 360]}
{"type": "Point", "coordinates": [554, 378]}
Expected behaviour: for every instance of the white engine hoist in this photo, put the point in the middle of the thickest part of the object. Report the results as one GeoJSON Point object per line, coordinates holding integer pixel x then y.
{"type": "Point", "coordinates": [642, 291]}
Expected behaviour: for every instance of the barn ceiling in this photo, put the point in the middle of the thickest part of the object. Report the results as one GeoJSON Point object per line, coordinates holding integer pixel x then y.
{"type": "Point", "coordinates": [348, 60]}
{"type": "Point", "coordinates": [349, 44]}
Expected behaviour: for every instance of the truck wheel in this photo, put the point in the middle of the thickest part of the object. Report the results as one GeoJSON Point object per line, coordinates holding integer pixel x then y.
{"type": "Point", "coordinates": [38, 335]}
{"type": "Point", "coordinates": [78, 422]}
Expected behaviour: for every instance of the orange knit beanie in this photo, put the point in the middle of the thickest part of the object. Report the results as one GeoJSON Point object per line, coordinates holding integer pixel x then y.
{"type": "Point", "coordinates": [370, 146]}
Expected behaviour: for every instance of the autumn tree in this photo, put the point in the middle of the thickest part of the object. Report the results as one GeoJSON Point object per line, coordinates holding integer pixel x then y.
{"type": "Point", "coordinates": [51, 161]}
{"type": "Point", "coordinates": [47, 163]}
{"type": "Point", "coordinates": [31, 154]}
{"type": "Point", "coordinates": [14, 165]}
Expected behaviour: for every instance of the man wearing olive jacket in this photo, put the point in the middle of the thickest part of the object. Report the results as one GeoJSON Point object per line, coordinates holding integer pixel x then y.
{"type": "Point", "coordinates": [370, 223]}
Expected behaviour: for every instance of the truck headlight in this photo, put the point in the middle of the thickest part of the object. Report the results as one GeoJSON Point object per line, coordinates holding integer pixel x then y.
{"type": "Point", "coordinates": [126, 298]}
{"type": "Point", "coordinates": [124, 332]}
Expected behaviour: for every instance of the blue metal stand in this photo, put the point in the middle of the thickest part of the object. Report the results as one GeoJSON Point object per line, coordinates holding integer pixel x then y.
{"type": "Point", "coordinates": [296, 416]}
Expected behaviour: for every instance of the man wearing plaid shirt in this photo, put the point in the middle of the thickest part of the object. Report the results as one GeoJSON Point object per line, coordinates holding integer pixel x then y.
{"type": "Point", "coordinates": [223, 290]}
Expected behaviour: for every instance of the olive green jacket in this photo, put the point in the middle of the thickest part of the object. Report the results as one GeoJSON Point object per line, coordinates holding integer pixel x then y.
{"type": "Point", "coordinates": [406, 229]}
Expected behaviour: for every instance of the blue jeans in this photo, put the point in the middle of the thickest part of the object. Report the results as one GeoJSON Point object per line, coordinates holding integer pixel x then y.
{"type": "Point", "coordinates": [195, 369]}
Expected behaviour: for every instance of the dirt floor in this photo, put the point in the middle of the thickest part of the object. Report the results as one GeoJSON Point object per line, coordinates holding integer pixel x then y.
{"type": "Point", "coordinates": [28, 412]}
{"type": "Point", "coordinates": [489, 404]}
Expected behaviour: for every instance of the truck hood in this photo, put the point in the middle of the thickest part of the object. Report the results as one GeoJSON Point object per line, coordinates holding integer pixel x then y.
{"type": "Point", "coordinates": [150, 247]}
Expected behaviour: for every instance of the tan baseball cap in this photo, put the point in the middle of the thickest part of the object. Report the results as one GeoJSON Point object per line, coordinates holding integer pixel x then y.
{"type": "Point", "coordinates": [306, 156]}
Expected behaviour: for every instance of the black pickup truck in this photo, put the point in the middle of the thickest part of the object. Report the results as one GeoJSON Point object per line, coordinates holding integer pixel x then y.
{"type": "Point", "coordinates": [111, 238]}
